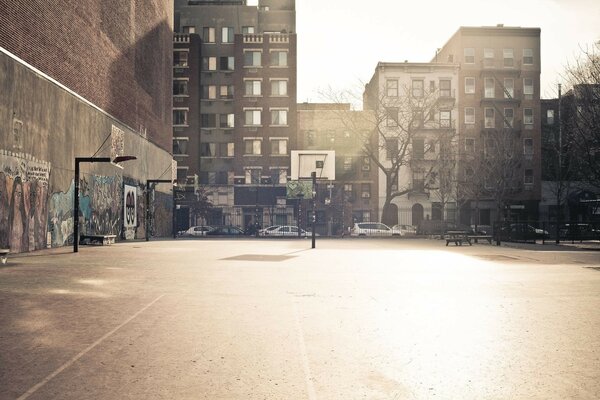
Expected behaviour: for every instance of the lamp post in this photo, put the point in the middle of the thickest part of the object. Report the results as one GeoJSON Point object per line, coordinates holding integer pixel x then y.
{"type": "Point", "coordinates": [79, 160]}
{"type": "Point", "coordinates": [148, 183]}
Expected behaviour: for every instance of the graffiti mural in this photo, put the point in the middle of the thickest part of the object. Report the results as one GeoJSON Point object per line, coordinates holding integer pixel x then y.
{"type": "Point", "coordinates": [23, 201]}
{"type": "Point", "coordinates": [130, 211]}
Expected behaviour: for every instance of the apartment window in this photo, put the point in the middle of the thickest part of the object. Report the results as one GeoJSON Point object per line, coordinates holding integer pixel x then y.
{"type": "Point", "coordinates": [489, 85]}
{"type": "Point", "coordinates": [226, 149]}
{"type": "Point", "coordinates": [528, 117]}
{"type": "Point", "coordinates": [252, 147]}
{"type": "Point", "coordinates": [490, 148]}
{"type": "Point", "coordinates": [347, 163]}
{"type": "Point", "coordinates": [227, 34]}
{"type": "Point", "coordinates": [281, 176]}
{"type": "Point", "coordinates": [391, 148]}
{"type": "Point", "coordinates": [365, 190]}
{"type": "Point", "coordinates": [469, 115]}
{"type": "Point", "coordinates": [209, 92]}
{"type": "Point", "coordinates": [445, 88]}
{"type": "Point", "coordinates": [528, 86]}
{"type": "Point", "coordinates": [189, 29]}
{"type": "Point", "coordinates": [226, 91]}
{"type": "Point", "coordinates": [253, 88]}
{"type": "Point", "coordinates": [180, 59]}
{"type": "Point", "coordinates": [418, 180]}
{"type": "Point", "coordinates": [180, 146]}
{"type": "Point", "coordinates": [247, 30]}
{"type": "Point", "coordinates": [528, 146]}
{"type": "Point", "coordinates": [488, 53]}
{"type": "Point", "coordinates": [209, 63]}
{"type": "Point", "coordinates": [418, 87]}
{"type": "Point", "coordinates": [445, 119]}
{"type": "Point", "coordinates": [509, 88]}
{"type": "Point", "coordinates": [208, 120]}
{"type": "Point", "coordinates": [490, 120]}
{"type": "Point", "coordinates": [311, 138]}
{"type": "Point", "coordinates": [418, 118]}
{"type": "Point", "coordinates": [418, 149]}
{"type": "Point", "coordinates": [180, 87]}
{"type": "Point", "coordinates": [527, 56]}
{"type": "Point", "coordinates": [469, 85]}
{"type": "Point", "coordinates": [550, 117]}
{"type": "Point", "coordinates": [252, 176]}
{"type": "Point", "coordinates": [279, 58]}
{"type": "Point", "coordinates": [252, 117]}
{"type": "Point", "coordinates": [469, 55]}
{"type": "Point", "coordinates": [180, 117]}
{"type": "Point", "coordinates": [469, 173]}
{"type": "Point", "coordinates": [226, 120]}
{"type": "Point", "coordinates": [279, 87]}
{"type": "Point", "coordinates": [208, 35]}
{"type": "Point", "coordinates": [470, 145]}
{"type": "Point", "coordinates": [208, 149]}
{"type": "Point", "coordinates": [509, 117]}
{"type": "Point", "coordinates": [252, 58]}
{"type": "Point", "coordinates": [528, 177]}
{"type": "Point", "coordinates": [329, 138]}
{"type": "Point", "coordinates": [278, 147]}
{"type": "Point", "coordinates": [279, 117]}
{"type": "Point", "coordinates": [509, 58]}
{"type": "Point", "coordinates": [391, 116]}
{"type": "Point", "coordinates": [391, 87]}
{"type": "Point", "coordinates": [226, 63]}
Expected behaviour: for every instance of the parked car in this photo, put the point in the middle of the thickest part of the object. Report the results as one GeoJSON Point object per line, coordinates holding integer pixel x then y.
{"type": "Point", "coordinates": [579, 231]}
{"type": "Point", "coordinates": [523, 231]}
{"type": "Point", "coordinates": [287, 230]}
{"type": "Point", "coordinates": [197, 230]}
{"type": "Point", "coordinates": [373, 229]}
{"type": "Point", "coordinates": [405, 230]}
{"type": "Point", "coordinates": [265, 231]}
{"type": "Point", "coordinates": [225, 231]}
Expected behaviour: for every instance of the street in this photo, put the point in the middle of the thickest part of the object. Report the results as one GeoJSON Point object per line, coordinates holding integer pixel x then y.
{"type": "Point", "coordinates": [274, 319]}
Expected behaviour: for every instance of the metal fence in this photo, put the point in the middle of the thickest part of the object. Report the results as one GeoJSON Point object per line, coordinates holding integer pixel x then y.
{"type": "Point", "coordinates": [546, 231]}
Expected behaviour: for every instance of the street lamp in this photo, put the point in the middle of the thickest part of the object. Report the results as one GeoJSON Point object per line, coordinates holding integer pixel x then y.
{"type": "Point", "coordinates": [148, 183]}
{"type": "Point", "coordinates": [79, 160]}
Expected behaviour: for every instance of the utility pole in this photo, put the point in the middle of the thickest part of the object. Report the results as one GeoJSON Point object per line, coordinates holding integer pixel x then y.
{"type": "Point", "coordinates": [559, 189]}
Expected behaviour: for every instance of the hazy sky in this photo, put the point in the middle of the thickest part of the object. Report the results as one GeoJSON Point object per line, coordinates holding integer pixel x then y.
{"type": "Point", "coordinates": [341, 41]}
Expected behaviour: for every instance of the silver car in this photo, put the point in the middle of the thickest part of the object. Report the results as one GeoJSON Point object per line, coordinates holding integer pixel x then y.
{"type": "Point", "coordinates": [373, 229]}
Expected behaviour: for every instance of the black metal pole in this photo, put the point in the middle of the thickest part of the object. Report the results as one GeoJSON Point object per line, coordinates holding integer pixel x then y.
{"type": "Point", "coordinates": [76, 209]}
{"type": "Point", "coordinates": [314, 203]}
{"type": "Point", "coordinates": [174, 214]}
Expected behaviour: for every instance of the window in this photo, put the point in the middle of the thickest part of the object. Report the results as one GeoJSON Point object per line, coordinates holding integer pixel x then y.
{"type": "Point", "coordinates": [253, 88]}
{"type": "Point", "coordinates": [180, 146]}
{"type": "Point", "coordinates": [252, 58]}
{"type": "Point", "coordinates": [365, 190]}
{"type": "Point", "coordinates": [469, 115]}
{"type": "Point", "coordinates": [445, 88]}
{"type": "Point", "coordinates": [189, 29]}
{"type": "Point", "coordinates": [417, 88]}
{"type": "Point", "coordinates": [418, 149]}
{"type": "Point", "coordinates": [252, 117]}
{"type": "Point", "coordinates": [226, 120]}
{"type": "Point", "coordinates": [180, 117]}
{"type": "Point", "coordinates": [391, 87]}
{"type": "Point", "coordinates": [490, 118]}
{"type": "Point", "coordinates": [391, 116]}
{"type": "Point", "coordinates": [470, 145]}
{"type": "Point", "coordinates": [226, 149]}
{"type": "Point", "coordinates": [252, 146]}
{"type": "Point", "coordinates": [418, 119]}
{"type": "Point", "coordinates": [490, 148]}
{"type": "Point", "coordinates": [418, 180]}
{"type": "Point", "coordinates": [445, 119]}
{"type": "Point", "coordinates": [282, 176]}
{"type": "Point", "coordinates": [469, 173]}
{"type": "Point", "coordinates": [226, 91]}
{"type": "Point", "coordinates": [253, 175]}
{"type": "Point", "coordinates": [247, 30]}
{"type": "Point", "coordinates": [528, 177]}
{"type": "Point", "coordinates": [347, 163]}
{"type": "Point", "coordinates": [469, 85]}
{"type": "Point", "coordinates": [528, 117]}
{"type": "Point", "coordinates": [227, 34]}
{"type": "Point", "coordinates": [469, 55]}
{"type": "Point", "coordinates": [180, 59]}
{"type": "Point", "coordinates": [311, 138]}
{"type": "Point", "coordinates": [279, 117]}
{"type": "Point", "coordinates": [279, 88]}
{"type": "Point", "coordinates": [278, 147]}
{"type": "Point", "coordinates": [550, 117]}
{"type": "Point", "coordinates": [279, 58]}
{"type": "Point", "coordinates": [208, 149]}
{"type": "Point", "coordinates": [528, 146]}
{"type": "Point", "coordinates": [509, 60]}
{"type": "Point", "coordinates": [209, 92]}
{"type": "Point", "coordinates": [527, 56]}
{"type": "Point", "coordinates": [489, 88]}
{"type": "Point", "coordinates": [208, 35]}
{"type": "Point", "coordinates": [509, 117]}
{"type": "Point", "coordinates": [488, 53]}
{"type": "Point", "coordinates": [528, 86]}
{"type": "Point", "coordinates": [347, 187]}
{"type": "Point", "coordinates": [391, 148]}
{"type": "Point", "coordinates": [209, 63]}
{"type": "Point", "coordinates": [180, 87]}
{"type": "Point", "coordinates": [226, 63]}
{"type": "Point", "coordinates": [208, 120]}
{"type": "Point", "coordinates": [509, 88]}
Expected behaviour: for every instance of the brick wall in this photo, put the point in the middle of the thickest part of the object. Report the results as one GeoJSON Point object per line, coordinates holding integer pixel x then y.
{"type": "Point", "coordinates": [116, 54]}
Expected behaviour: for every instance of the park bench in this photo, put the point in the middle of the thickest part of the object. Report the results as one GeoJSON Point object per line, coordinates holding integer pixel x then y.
{"type": "Point", "coordinates": [4, 255]}
{"type": "Point", "coordinates": [457, 237]}
{"type": "Point", "coordinates": [476, 238]}
{"type": "Point", "coordinates": [97, 240]}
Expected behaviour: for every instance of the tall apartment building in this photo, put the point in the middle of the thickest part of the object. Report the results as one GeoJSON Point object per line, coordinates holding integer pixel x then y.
{"type": "Point", "coordinates": [415, 108]}
{"type": "Point", "coordinates": [234, 105]}
{"type": "Point", "coordinates": [498, 119]}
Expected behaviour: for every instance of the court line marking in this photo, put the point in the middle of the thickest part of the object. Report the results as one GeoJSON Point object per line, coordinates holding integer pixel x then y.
{"type": "Point", "coordinates": [66, 365]}
{"type": "Point", "coordinates": [305, 364]}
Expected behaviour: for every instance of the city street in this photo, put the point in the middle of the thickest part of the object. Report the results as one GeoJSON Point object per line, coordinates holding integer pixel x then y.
{"type": "Point", "coordinates": [275, 319]}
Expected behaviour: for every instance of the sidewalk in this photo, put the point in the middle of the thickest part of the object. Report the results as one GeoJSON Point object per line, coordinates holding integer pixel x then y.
{"type": "Point", "coordinates": [587, 245]}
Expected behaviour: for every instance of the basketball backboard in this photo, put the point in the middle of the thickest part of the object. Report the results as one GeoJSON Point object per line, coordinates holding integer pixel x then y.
{"type": "Point", "coordinates": [305, 162]}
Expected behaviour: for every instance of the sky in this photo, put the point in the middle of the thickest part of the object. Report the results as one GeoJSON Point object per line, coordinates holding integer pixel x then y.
{"type": "Point", "coordinates": [340, 42]}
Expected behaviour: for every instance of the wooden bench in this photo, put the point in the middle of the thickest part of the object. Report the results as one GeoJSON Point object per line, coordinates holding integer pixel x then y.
{"type": "Point", "coordinates": [457, 237]}
{"type": "Point", "coordinates": [475, 238]}
{"type": "Point", "coordinates": [4, 255]}
{"type": "Point", "coordinates": [97, 240]}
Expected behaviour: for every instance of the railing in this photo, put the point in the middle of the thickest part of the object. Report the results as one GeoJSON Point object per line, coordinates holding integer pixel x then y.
{"type": "Point", "coordinates": [252, 38]}
{"type": "Point", "coordinates": [181, 38]}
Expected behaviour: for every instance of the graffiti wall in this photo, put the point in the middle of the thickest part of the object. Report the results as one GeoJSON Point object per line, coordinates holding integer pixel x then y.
{"type": "Point", "coordinates": [23, 201]}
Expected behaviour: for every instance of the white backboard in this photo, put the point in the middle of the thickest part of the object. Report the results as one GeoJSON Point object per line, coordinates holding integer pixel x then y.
{"type": "Point", "coordinates": [304, 162]}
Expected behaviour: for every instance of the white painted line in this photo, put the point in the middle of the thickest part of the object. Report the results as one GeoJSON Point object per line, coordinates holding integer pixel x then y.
{"type": "Point", "coordinates": [82, 353]}
{"type": "Point", "coordinates": [305, 365]}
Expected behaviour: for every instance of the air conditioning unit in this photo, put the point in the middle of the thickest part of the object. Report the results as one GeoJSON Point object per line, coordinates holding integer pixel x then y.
{"type": "Point", "coordinates": [366, 195]}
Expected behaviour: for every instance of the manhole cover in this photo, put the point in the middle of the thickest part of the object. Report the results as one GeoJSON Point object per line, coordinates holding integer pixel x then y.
{"type": "Point", "coordinates": [259, 257]}
{"type": "Point", "coordinates": [496, 257]}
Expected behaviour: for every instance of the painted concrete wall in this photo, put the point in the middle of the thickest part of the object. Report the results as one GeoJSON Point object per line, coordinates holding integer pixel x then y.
{"type": "Point", "coordinates": [43, 127]}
